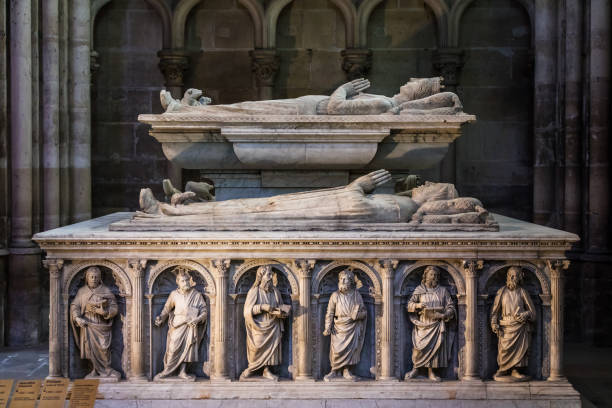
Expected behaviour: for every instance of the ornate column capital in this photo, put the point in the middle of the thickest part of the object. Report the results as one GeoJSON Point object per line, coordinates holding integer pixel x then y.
{"type": "Point", "coordinates": [472, 266]}
{"type": "Point", "coordinates": [356, 62]}
{"type": "Point", "coordinates": [54, 266]}
{"type": "Point", "coordinates": [173, 64]}
{"type": "Point", "coordinates": [386, 267]}
{"type": "Point", "coordinates": [220, 267]}
{"type": "Point", "coordinates": [303, 267]}
{"type": "Point", "coordinates": [265, 63]}
{"type": "Point", "coordinates": [137, 266]}
{"type": "Point", "coordinates": [557, 266]}
{"type": "Point", "coordinates": [448, 62]}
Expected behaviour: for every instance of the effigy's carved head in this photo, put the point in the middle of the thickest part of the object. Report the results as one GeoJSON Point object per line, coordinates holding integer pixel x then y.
{"type": "Point", "coordinates": [93, 276]}
{"type": "Point", "coordinates": [431, 277]}
{"type": "Point", "coordinates": [433, 192]}
{"type": "Point", "coordinates": [346, 280]}
{"type": "Point", "coordinates": [514, 277]}
{"type": "Point", "coordinates": [264, 277]}
{"type": "Point", "coordinates": [418, 88]}
{"type": "Point", "coordinates": [184, 280]}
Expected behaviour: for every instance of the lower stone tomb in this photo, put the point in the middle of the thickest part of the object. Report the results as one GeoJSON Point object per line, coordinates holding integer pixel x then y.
{"type": "Point", "coordinates": [464, 290]}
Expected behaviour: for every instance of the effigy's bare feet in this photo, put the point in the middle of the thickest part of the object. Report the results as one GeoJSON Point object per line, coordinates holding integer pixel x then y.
{"type": "Point", "coordinates": [432, 376]}
{"type": "Point", "coordinates": [148, 203]}
{"type": "Point", "coordinates": [169, 189]}
{"type": "Point", "coordinates": [180, 198]}
{"type": "Point", "coordinates": [412, 374]}
{"type": "Point", "coordinates": [267, 373]}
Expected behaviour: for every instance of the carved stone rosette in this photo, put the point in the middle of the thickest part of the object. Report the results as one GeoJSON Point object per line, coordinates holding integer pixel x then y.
{"type": "Point", "coordinates": [265, 64]}
{"type": "Point", "coordinates": [356, 62]}
{"type": "Point", "coordinates": [173, 65]}
{"type": "Point", "coordinates": [448, 62]}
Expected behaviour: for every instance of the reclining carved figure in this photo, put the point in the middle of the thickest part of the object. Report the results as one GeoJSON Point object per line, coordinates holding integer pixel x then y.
{"type": "Point", "coordinates": [353, 203]}
{"type": "Point", "coordinates": [419, 96]}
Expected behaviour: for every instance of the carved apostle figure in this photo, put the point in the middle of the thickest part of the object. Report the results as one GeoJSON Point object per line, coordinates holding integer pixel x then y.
{"type": "Point", "coordinates": [430, 308]}
{"type": "Point", "coordinates": [345, 321]}
{"type": "Point", "coordinates": [264, 312]}
{"type": "Point", "coordinates": [91, 315]}
{"type": "Point", "coordinates": [186, 312]}
{"type": "Point", "coordinates": [511, 318]}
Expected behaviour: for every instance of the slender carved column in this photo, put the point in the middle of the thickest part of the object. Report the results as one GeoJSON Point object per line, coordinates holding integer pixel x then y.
{"type": "Point", "coordinates": [448, 62]}
{"type": "Point", "coordinates": [555, 271]}
{"type": "Point", "coordinates": [471, 268]}
{"type": "Point", "coordinates": [386, 268]}
{"type": "Point", "coordinates": [55, 316]}
{"type": "Point", "coordinates": [173, 65]}
{"type": "Point", "coordinates": [220, 269]}
{"type": "Point", "coordinates": [304, 269]}
{"type": "Point", "coordinates": [356, 62]}
{"type": "Point", "coordinates": [137, 268]}
{"type": "Point", "coordinates": [265, 64]}
{"type": "Point", "coordinates": [80, 110]}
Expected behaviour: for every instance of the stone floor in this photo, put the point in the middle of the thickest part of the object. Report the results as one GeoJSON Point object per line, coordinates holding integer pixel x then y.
{"type": "Point", "coordinates": [589, 370]}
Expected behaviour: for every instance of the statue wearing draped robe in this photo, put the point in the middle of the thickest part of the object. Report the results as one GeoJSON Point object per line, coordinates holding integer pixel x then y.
{"type": "Point", "coordinates": [345, 321]}
{"type": "Point", "coordinates": [91, 315]}
{"type": "Point", "coordinates": [430, 308]}
{"type": "Point", "coordinates": [186, 312]}
{"type": "Point", "coordinates": [264, 312]}
{"type": "Point", "coordinates": [511, 318]}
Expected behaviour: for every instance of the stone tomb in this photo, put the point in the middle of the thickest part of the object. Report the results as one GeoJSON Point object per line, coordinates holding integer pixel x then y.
{"type": "Point", "coordinates": [140, 267]}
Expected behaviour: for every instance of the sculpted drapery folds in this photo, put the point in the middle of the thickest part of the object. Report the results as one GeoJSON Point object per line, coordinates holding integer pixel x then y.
{"type": "Point", "coordinates": [345, 321]}
{"type": "Point", "coordinates": [91, 315]}
{"type": "Point", "coordinates": [430, 308]}
{"type": "Point", "coordinates": [264, 312]}
{"type": "Point", "coordinates": [511, 318]}
{"type": "Point", "coordinates": [186, 312]}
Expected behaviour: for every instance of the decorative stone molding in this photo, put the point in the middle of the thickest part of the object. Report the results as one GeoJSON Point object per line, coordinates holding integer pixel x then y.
{"type": "Point", "coordinates": [356, 62]}
{"type": "Point", "coordinates": [448, 62]}
{"type": "Point", "coordinates": [173, 64]}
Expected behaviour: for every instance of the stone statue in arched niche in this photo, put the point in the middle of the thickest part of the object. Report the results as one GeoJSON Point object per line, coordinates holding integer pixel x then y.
{"type": "Point", "coordinates": [186, 312]}
{"type": "Point", "coordinates": [180, 299]}
{"type": "Point", "coordinates": [512, 318]}
{"type": "Point", "coordinates": [430, 309]}
{"type": "Point", "coordinates": [360, 362]}
{"type": "Point", "coordinates": [429, 313]}
{"type": "Point", "coordinates": [92, 313]}
{"type": "Point", "coordinates": [345, 323]}
{"type": "Point", "coordinates": [263, 340]}
{"type": "Point", "coordinates": [264, 312]}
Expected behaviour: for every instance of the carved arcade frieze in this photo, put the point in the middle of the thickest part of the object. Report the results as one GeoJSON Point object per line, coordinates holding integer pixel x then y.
{"type": "Point", "coordinates": [269, 319]}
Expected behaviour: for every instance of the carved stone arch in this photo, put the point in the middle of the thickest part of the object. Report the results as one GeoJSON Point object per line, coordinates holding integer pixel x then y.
{"type": "Point", "coordinates": [162, 266]}
{"type": "Point", "coordinates": [178, 22]}
{"type": "Point", "coordinates": [409, 269]}
{"type": "Point", "coordinates": [349, 13]}
{"type": "Point", "coordinates": [271, 18]}
{"type": "Point", "coordinates": [254, 263]}
{"type": "Point", "coordinates": [540, 275]}
{"type": "Point", "coordinates": [96, 6]}
{"type": "Point", "coordinates": [439, 8]}
{"type": "Point", "coordinates": [164, 12]}
{"type": "Point", "coordinates": [456, 13]}
{"type": "Point", "coordinates": [367, 269]}
{"type": "Point", "coordinates": [125, 286]}
{"type": "Point", "coordinates": [256, 11]}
